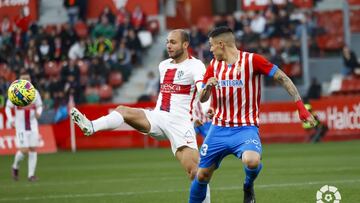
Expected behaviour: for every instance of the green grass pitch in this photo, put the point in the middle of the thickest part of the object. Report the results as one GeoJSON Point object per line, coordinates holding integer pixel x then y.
{"type": "Point", "coordinates": [291, 173]}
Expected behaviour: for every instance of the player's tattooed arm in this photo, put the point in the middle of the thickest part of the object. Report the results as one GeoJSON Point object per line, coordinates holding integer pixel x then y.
{"type": "Point", "coordinates": [285, 81]}
{"type": "Point", "coordinates": [206, 92]}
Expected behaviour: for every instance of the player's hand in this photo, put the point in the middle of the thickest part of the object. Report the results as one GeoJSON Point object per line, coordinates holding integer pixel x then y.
{"type": "Point", "coordinates": [304, 114]}
{"type": "Point", "coordinates": [37, 115]}
{"type": "Point", "coordinates": [210, 113]}
{"type": "Point", "coordinates": [311, 120]}
{"type": "Point", "coordinates": [212, 82]}
{"type": "Point", "coordinates": [198, 122]}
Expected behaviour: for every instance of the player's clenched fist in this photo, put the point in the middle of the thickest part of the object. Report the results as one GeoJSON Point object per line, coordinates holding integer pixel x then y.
{"type": "Point", "coordinates": [212, 82]}
{"type": "Point", "coordinates": [210, 113]}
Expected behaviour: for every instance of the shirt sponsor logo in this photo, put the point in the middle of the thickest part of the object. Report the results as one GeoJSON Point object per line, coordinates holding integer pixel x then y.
{"type": "Point", "coordinates": [175, 88]}
{"type": "Point", "coordinates": [231, 83]}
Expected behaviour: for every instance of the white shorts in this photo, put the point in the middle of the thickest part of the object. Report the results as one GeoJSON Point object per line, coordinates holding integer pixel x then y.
{"type": "Point", "coordinates": [25, 139]}
{"type": "Point", "coordinates": [180, 132]}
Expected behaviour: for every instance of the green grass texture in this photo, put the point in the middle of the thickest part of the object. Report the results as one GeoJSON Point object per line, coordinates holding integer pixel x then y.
{"type": "Point", "coordinates": [292, 173]}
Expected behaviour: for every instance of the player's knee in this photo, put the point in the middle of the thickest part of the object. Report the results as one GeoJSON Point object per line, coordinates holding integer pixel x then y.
{"type": "Point", "coordinates": [204, 176]}
{"type": "Point", "coordinates": [192, 173]}
{"type": "Point", "coordinates": [252, 162]}
{"type": "Point", "coordinates": [191, 170]}
{"type": "Point", "coordinates": [123, 110]}
{"type": "Point", "coordinates": [24, 150]}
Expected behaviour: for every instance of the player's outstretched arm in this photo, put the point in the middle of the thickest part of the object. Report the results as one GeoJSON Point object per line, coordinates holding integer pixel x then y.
{"type": "Point", "coordinates": [206, 91]}
{"type": "Point", "coordinates": [286, 82]}
{"type": "Point", "coordinates": [39, 105]}
{"type": "Point", "coordinates": [8, 113]}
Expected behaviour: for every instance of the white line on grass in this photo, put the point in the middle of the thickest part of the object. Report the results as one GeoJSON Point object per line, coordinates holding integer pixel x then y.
{"type": "Point", "coordinates": [85, 195]}
{"type": "Point", "coordinates": [120, 180]}
{"type": "Point", "coordinates": [84, 182]}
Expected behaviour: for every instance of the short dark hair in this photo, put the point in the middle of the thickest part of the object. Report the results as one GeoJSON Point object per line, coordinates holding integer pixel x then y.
{"type": "Point", "coordinates": [220, 30]}
{"type": "Point", "coordinates": [24, 72]}
{"type": "Point", "coordinates": [185, 37]}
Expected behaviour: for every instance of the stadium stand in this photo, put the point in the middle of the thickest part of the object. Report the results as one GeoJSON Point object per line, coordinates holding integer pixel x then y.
{"type": "Point", "coordinates": [106, 64]}
{"type": "Point", "coordinates": [104, 51]}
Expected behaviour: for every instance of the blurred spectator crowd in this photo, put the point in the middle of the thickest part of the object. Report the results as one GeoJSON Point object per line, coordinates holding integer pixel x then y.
{"type": "Point", "coordinates": [83, 58]}
{"type": "Point", "coordinates": [87, 58]}
{"type": "Point", "coordinates": [275, 32]}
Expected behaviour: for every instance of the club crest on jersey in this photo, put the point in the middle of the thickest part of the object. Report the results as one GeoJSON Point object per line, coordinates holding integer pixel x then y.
{"type": "Point", "coordinates": [231, 83]}
{"type": "Point", "coordinates": [180, 74]}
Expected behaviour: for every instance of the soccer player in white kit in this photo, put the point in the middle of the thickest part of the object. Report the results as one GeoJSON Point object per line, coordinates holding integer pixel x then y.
{"type": "Point", "coordinates": [27, 132]}
{"type": "Point", "coordinates": [180, 78]}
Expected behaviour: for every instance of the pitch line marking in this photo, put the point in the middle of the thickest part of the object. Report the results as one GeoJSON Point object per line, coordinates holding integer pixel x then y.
{"type": "Point", "coordinates": [170, 191]}
{"type": "Point", "coordinates": [118, 180]}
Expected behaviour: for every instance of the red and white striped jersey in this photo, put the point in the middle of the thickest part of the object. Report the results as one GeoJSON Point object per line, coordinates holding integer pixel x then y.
{"type": "Point", "coordinates": [25, 119]}
{"type": "Point", "coordinates": [236, 99]}
{"type": "Point", "coordinates": [178, 89]}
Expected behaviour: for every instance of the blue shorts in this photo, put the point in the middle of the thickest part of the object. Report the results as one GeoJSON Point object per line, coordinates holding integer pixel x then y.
{"type": "Point", "coordinates": [222, 141]}
{"type": "Point", "coordinates": [203, 129]}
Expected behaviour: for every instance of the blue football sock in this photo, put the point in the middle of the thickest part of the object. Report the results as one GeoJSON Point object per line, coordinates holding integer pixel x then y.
{"type": "Point", "coordinates": [251, 175]}
{"type": "Point", "coordinates": [197, 191]}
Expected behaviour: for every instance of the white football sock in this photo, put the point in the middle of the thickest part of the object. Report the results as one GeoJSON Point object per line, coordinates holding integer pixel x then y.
{"type": "Point", "coordinates": [32, 163]}
{"type": "Point", "coordinates": [19, 156]}
{"type": "Point", "coordinates": [109, 122]}
{"type": "Point", "coordinates": [207, 198]}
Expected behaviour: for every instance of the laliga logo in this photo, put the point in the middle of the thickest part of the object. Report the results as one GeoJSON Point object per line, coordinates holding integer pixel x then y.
{"type": "Point", "coordinates": [328, 193]}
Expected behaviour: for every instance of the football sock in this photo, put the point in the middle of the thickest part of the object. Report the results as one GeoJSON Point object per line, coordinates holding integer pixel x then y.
{"type": "Point", "coordinates": [207, 198]}
{"type": "Point", "coordinates": [197, 191]}
{"type": "Point", "coordinates": [18, 157]}
{"type": "Point", "coordinates": [109, 122]}
{"type": "Point", "coordinates": [251, 175]}
{"type": "Point", "coordinates": [32, 163]}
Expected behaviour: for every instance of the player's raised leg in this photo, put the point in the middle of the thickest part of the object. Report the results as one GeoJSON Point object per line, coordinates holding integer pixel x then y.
{"type": "Point", "coordinates": [189, 159]}
{"type": "Point", "coordinates": [253, 166]}
{"type": "Point", "coordinates": [133, 116]}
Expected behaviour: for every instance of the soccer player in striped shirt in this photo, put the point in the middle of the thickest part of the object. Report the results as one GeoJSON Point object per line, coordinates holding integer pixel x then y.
{"type": "Point", "coordinates": [233, 81]}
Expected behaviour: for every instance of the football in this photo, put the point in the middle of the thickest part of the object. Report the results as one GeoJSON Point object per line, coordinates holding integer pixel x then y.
{"type": "Point", "coordinates": [21, 93]}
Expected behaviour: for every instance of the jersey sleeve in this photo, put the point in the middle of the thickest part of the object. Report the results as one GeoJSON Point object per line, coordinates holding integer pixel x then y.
{"type": "Point", "coordinates": [263, 66]}
{"type": "Point", "coordinates": [38, 103]}
{"type": "Point", "coordinates": [199, 72]}
{"type": "Point", "coordinates": [8, 107]}
{"type": "Point", "coordinates": [159, 67]}
{"type": "Point", "coordinates": [209, 73]}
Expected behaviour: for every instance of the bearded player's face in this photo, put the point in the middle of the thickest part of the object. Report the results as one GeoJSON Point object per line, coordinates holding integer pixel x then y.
{"type": "Point", "coordinates": [174, 45]}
